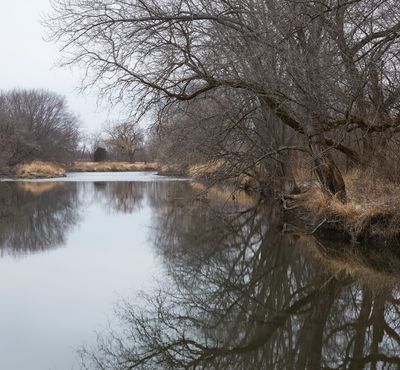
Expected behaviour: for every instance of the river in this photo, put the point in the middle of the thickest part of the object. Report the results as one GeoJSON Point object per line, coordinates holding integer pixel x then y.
{"type": "Point", "coordinates": [133, 269]}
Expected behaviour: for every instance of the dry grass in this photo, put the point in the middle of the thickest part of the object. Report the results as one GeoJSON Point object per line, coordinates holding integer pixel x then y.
{"type": "Point", "coordinates": [113, 167]}
{"type": "Point", "coordinates": [372, 208]}
{"type": "Point", "coordinates": [37, 170]}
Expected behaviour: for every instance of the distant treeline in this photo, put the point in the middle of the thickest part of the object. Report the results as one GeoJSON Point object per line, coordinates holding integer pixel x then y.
{"type": "Point", "coordinates": [36, 125]}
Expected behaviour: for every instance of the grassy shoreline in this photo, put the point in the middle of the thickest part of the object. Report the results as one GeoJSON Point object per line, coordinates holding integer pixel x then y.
{"type": "Point", "coordinates": [370, 213]}
{"type": "Point", "coordinates": [40, 170]}
{"type": "Point", "coordinates": [49, 170]}
{"type": "Point", "coordinates": [113, 167]}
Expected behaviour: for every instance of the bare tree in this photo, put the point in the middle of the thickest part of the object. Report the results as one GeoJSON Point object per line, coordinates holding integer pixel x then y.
{"type": "Point", "coordinates": [125, 138]}
{"type": "Point", "coordinates": [326, 70]}
{"type": "Point", "coordinates": [36, 124]}
{"type": "Point", "coordinates": [14, 141]}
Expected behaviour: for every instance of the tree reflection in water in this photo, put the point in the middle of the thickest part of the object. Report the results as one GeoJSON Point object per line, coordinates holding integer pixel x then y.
{"type": "Point", "coordinates": [120, 197]}
{"type": "Point", "coordinates": [36, 216]}
{"type": "Point", "coordinates": [240, 294]}
{"type": "Point", "coordinates": [128, 197]}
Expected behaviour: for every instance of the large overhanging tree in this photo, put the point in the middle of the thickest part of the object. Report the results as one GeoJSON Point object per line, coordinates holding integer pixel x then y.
{"type": "Point", "coordinates": [319, 67]}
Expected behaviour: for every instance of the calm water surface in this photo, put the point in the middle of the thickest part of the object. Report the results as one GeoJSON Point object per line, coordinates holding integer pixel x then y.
{"type": "Point", "coordinates": [225, 285]}
{"type": "Point", "coordinates": [69, 251]}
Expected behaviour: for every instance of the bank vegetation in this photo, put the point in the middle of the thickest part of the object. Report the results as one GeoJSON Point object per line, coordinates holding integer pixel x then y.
{"type": "Point", "coordinates": [113, 166]}
{"type": "Point", "coordinates": [41, 170]}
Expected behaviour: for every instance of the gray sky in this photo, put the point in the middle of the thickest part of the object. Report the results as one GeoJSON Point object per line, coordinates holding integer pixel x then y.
{"type": "Point", "coordinates": [27, 61]}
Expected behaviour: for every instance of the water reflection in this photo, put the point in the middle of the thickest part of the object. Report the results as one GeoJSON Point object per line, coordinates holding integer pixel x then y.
{"type": "Point", "coordinates": [241, 294]}
{"type": "Point", "coordinates": [128, 197]}
{"type": "Point", "coordinates": [36, 216]}
{"type": "Point", "coordinates": [238, 292]}
{"type": "Point", "coordinates": [120, 197]}
{"type": "Point", "coordinates": [80, 253]}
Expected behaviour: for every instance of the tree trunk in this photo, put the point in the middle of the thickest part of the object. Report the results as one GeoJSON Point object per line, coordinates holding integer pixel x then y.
{"type": "Point", "coordinates": [324, 166]}
{"type": "Point", "coordinates": [131, 155]}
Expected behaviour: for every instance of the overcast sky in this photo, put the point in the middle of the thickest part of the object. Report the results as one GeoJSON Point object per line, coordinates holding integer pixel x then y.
{"type": "Point", "coordinates": [27, 61]}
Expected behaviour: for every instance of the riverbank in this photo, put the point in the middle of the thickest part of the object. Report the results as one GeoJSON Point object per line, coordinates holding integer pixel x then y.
{"type": "Point", "coordinates": [39, 170]}
{"type": "Point", "coordinates": [49, 170]}
{"type": "Point", "coordinates": [113, 166]}
{"type": "Point", "coordinates": [370, 212]}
